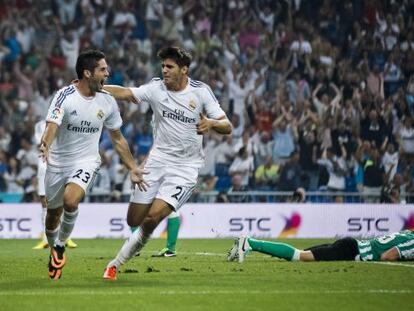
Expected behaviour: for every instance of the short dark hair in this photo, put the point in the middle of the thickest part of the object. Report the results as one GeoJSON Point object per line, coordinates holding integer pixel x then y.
{"type": "Point", "coordinates": [88, 60]}
{"type": "Point", "coordinates": [179, 55]}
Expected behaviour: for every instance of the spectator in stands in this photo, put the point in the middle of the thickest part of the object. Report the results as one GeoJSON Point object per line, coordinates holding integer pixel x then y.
{"type": "Point", "coordinates": [237, 186]}
{"type": "Point", "coordinates": [308, 156]}
{"type": "Point", "coordinates": [373, 128]}
{"type": "Point", "coordinates": [325, 105]}
{"type": "Point", "coordinates": [390, 161]}
{"type": "Point", "coordinates": [13, 177]}
{"type": "Point", "coordinates": [263, 147]}
{"type": "Point", "coordinates": [4, 139]}
{"type": "Point", "coordinates": [290, 174]}
{"type": "Point", "coordinates": [3, 170]}
{"type": "Point", "coordinates": [266, 175]}
{"type": "Point", "coordinates": [285, 135]}
{"type": "Point", "coordinates": [224, 151]}
{"type": "Point", "coordinates": [242, 166]}
{"type": "Point", "coordinates": [298, 88]}
{"type": "Point", "coordinates": [392, 76]}
{"type": "Point", "coordinates": [336, 167]}
{"type": "Point", "coordinates": [406, 137]}
{"type": "Point", "coordinates": [375, 83]}
{"type": "Point", "coordinates": [276, 53]}
{"type": "Point", "coordinates": [374, 176]}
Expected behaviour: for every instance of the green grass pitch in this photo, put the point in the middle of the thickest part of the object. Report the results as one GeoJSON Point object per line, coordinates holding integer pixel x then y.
{"type": "Point", "coordinates": [198, 279]}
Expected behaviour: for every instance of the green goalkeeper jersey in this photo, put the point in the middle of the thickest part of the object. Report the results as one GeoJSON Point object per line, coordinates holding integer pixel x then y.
{"type": "Point", "coordinates": [371, 250]}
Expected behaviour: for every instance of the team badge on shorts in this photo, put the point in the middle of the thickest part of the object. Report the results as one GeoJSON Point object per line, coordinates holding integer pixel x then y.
{"type": "Point", "coordinates": [100, 114]}
{"type": "Point", "coordinates": [192, 104]}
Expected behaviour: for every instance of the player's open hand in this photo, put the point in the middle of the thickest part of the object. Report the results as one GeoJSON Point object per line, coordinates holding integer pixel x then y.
{"type": "Point", "coordinates": [43, 152]}
{"type": "Point", "coordinates": [204, 125]}
{"type": "Point", "coordinates": [137, 178]}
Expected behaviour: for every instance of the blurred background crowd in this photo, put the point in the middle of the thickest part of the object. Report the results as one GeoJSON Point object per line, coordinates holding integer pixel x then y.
{"type": "Point", "coordinates": [320, 93]}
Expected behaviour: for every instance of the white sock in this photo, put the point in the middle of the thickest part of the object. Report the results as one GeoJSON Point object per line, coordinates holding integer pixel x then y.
{"type": "Point", "coordinates": [174, 214]}
{"type": "Point", "coordinates": [51, 236]}
{"type": "Point", "coordinates": [296, 255]}
{"type": "Point", "coordinates": [66, 226]}
{"type": "Point", "coordinates": [135, 243]}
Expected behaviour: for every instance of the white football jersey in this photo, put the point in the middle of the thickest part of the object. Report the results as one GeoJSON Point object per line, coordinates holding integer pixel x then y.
{"type": "Point", "coordinates": [80, 122]}
{"type": "Point", "coordinates": [176, 115]}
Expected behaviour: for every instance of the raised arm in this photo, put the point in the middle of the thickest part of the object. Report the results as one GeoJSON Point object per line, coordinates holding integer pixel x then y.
{"type": "Point", "coordinates": [338, 94]}
{"type": "Point", "coordinates": [120, 92]}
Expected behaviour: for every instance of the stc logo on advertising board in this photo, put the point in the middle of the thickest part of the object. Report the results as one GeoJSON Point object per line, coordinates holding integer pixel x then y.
{"type": "Point", "coordinates": [254, 225]}
{"type": "Point", "coordinates": [251, 224]}
{"type": "Point", "coordinates": [15, 225]}
{"type": "Point", "coordinates": [292, 225]}
{"type": "Point", "coordinates": [368, 224]}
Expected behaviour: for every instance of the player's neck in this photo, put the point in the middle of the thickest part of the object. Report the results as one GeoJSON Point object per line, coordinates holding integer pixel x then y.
{"type": "Point", "coordinates": [84, 89]}
{"type": "Point", "coordinates": [181, 85]}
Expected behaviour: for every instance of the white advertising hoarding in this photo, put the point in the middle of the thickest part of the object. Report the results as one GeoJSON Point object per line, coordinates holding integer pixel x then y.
{"type": "Point", "coordinates": [226, 220]}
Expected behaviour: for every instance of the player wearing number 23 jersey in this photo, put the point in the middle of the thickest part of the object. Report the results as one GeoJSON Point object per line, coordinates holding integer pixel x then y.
{"type": "Point", "coordinates": [74, 154]}
{"type": "Point", "coordinates": [69, 145]}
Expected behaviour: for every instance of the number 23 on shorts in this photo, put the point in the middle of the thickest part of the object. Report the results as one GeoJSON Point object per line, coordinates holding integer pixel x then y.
{"type": "Point", "coordinates": [82, 175]}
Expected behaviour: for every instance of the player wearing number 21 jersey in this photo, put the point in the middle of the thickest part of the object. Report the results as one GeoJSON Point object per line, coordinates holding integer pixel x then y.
{"type": "Point", "coordinates": [175, 119]}
{"type": "Point", "coordinates": [183, 110]}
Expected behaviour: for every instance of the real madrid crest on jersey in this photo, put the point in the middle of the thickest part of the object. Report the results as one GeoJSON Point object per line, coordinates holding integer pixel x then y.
{"type": "Point", "coordinates": [192, 104]}
{"type": "Point", "coordinates": [100, 114]}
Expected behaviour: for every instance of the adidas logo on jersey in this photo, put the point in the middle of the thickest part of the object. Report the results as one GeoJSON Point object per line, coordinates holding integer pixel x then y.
{"type": "Point", "coordinates": [74, 113]}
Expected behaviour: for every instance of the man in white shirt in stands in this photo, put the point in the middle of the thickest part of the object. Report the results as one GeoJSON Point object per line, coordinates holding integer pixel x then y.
{"type": "Point", "coordinates": [184, 110]}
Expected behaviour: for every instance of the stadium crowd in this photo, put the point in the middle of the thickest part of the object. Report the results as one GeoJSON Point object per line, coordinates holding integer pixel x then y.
{"type": "Point", "coordinates": [320, 93]}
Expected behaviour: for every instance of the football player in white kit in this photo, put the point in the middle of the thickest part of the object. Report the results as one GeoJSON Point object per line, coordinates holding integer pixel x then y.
{"type": "Point", "coordinates": [41, 192]}
{"type": "Point", "coordinates": [184, 110]}
{"type": "Point", "coordinates": [41, 172]}
{"type": "Point", "coordinates": [70, 145]}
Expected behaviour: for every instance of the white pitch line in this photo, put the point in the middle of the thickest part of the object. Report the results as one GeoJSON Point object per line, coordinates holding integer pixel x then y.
{"type": "Point", "coordinates": [391, 264]}
{"type": "Point", "coordinates": [225, 255]}
{"type": "Point", "coordinates": [208, 292]}
{"type": "Point", "coordinates": [190, 253]}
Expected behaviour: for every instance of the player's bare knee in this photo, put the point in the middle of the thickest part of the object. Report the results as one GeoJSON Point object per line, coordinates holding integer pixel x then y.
{"type": "Point", "coordinates": [70, 204]}
{"type": "Point", "coordinates": [151, 221]}
{"type": "Point", "coordinates": [133, 221]}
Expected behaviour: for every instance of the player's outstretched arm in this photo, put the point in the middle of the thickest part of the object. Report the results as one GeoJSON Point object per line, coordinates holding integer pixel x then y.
{"type": "Point", "coordinates": [120, 92]}
{"type": "Point", "coordinates": [122, 148]}
{"type": "Point", "coordinates": [391, 255]}
{"type": "Point", "coordinates": [47, 139]}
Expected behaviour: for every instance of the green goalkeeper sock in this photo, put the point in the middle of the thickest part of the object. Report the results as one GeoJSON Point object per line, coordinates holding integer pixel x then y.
{"type": "Point", "coordinates": [173, 226]}
{"type": "Point", "coordinates": [133, 229]}
{"type": "Point", "coordinates": [276, 249]}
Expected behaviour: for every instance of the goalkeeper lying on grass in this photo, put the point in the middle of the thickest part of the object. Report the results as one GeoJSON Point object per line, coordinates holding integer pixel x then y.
{"type": "Point", "coordinates": [391, 247]}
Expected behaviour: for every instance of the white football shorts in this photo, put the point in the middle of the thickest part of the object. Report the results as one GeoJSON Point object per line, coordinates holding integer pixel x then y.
{"type": "Point", "coordinates": [171, 184]}
{"type": "Point", "coordinates": [41, 173]}
{"type": "Point", "coordinates": [83, 175]}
